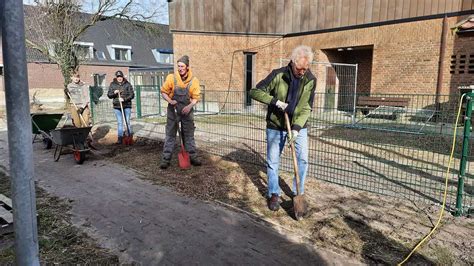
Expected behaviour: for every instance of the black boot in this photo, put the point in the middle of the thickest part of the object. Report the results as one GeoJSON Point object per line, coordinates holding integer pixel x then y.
{"type": "Point", "coordinates": [164, 163]}
{"type": "Point", "coordinates": [119, 140]}
{"type": "Point", "coordinates": [195, 161]}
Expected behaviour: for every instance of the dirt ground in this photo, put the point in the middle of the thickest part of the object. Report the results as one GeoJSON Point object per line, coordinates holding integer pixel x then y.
{"type": "Point", "coordinates": [374, 229]}
{"type": "Point", "coordinates": [59, 241]}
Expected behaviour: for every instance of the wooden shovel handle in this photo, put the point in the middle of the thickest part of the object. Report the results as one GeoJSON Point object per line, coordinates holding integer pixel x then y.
{"type": "Point", "coordinates": [293, 154]}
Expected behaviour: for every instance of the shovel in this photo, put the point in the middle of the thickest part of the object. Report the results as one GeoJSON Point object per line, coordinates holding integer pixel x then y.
{"type": "Point", "coordinates": [82, 119]}
{"type": "Point", "coordinates": [127, 140]}
{"type": "Point", "coordinates": [299, 204]}
{"type": "Point", "coordinates": [183, 156]}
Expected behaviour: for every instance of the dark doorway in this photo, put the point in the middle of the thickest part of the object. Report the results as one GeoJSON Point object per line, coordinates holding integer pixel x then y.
{"type": "Point", "coordinates": [249, 78]}
{"type": "Point", "coordinates": [362, 56]}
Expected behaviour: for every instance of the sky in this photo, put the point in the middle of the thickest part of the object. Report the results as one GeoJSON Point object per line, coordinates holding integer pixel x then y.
{"type": "Point", "coordinates": [145, 6]}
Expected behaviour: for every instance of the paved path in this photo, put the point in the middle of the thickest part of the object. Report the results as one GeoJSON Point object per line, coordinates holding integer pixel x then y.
{"type": "Point", "coordinates": [151, 225]}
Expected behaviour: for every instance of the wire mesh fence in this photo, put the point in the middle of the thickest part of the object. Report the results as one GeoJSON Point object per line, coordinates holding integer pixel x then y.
{"type": "Point", "coordinates": [399, 150]}
{"type": "Point", "coordinates": [402, 152]}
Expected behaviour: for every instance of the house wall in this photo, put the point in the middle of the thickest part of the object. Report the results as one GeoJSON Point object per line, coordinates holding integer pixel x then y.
{"type": "Point", "coordinates": [404, 56]}
{"type": "Point", "coordinates": [49, 75]}
{"type": "Point", "coordinates": [215, 60]}
{"type": "Point", "coordinates": [46, 83]}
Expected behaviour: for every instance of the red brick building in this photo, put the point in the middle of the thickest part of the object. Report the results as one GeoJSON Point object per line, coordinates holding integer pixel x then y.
{"type": "Point", "coordinates": [396, 44]}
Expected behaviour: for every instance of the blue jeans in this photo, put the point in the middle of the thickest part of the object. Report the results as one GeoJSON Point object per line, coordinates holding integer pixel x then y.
{"type": "Point", "coordinates": [120, 125]}
{"type": "Point", "coordinates": [275, 143]}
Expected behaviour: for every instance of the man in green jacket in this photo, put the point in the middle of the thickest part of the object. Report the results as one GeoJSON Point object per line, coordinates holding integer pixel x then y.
{"type": "Point", "coordinates": [288, 89]}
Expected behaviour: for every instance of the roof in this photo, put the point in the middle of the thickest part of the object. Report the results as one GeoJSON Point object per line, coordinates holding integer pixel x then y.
{"type": "Point", "coordinates": [465, 25]}
{"type": "Point", "coordinates": [142, 37]}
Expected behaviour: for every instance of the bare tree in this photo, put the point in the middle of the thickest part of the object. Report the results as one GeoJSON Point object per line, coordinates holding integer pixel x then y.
{"type": "Point", "coordinates": [54, 26]}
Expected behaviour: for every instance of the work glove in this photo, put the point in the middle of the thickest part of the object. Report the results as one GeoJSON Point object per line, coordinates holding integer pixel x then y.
{"type": "Point", "coordinates": [281, 105]}
{"type": "Point", "coordinates": [81, 110]}
{"type": "Point", "coordinates": [121, 99]}
{"type": "Point", "coordinates": [292, 137]}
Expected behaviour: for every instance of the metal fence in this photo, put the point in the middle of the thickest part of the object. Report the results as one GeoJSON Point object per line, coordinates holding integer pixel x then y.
{"type": "Point", "coordinates": [389, 150]}
{"type": "Point", "coordinates": [401, 152]}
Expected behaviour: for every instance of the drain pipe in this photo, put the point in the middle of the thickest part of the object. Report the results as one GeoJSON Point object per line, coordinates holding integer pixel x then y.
{"type": "Point", "coordinates": [19, 133]}
{"type": "Point", "coordinates": [442, 52]}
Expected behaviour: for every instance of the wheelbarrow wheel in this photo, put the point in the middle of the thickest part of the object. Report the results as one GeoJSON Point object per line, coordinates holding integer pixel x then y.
{"type": "Point", "coordinates": [57, 152]}
{"type": "Point", "coordinates": [47, 143]}
{"type": "Point", "coordinates": [79, 156]}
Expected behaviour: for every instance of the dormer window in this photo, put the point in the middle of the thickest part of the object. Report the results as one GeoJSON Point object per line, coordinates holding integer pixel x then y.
{"type": "Point", "coordinates": [120, 52]}
{"type": "Point", "coordinates": [100, 55]}
{"type": "Point", "coordinates": [163, 56]}
{"type": "Point", "coordinates": [84, 50]}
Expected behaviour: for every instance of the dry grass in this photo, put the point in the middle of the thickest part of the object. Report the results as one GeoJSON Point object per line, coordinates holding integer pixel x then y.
{"type": "Point", "coordinates": [59, 241]}
{"type": "Point", "coordinates": [371, 228]}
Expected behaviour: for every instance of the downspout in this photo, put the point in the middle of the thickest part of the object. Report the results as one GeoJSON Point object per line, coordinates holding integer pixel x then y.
{"type": "Point", "coordinates": [442, 52]}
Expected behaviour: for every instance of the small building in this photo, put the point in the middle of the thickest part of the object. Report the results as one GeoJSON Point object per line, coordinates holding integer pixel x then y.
{"type": "Point", "coordinates": [396, 44]}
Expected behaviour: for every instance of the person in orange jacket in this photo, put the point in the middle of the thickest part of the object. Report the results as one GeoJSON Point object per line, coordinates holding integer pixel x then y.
{"type": "Point", "coordinates": [182, 91]}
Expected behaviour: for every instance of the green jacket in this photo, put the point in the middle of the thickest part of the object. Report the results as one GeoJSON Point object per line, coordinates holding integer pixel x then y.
{"type": "Point", "coordinates": [275, 87]}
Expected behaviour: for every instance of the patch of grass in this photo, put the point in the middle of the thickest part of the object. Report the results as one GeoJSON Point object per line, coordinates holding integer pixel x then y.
{"type": "Point", "coordinates": [444, 256]}
{"type": "Point", "coordinates": [228, 119]}
{"type": "Point", "coordinates": [59, 241]}
{"type": "Point", "coordinates": [154, 119]}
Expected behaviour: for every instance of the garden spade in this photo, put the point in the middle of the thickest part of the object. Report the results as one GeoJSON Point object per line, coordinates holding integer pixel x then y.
{"type": "Point", "coordinates": [81, 117]}
{"type": "Point", "coordinates": [183, 156]}
{"type": "Point", "coordinates": [299, 204]}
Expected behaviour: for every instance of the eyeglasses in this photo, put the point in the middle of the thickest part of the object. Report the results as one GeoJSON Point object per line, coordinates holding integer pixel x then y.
{"type": "Point", "coordinates": [301, 70]}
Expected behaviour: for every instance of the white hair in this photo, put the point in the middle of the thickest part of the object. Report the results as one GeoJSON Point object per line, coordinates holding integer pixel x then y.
{"type": "Point", "coordinates": [302, 51]}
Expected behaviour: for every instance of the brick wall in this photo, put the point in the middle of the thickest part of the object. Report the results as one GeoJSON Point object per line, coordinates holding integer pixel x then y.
{"type": "Point", "coordinates": [49, 75]}
{"type": "Point", "coordinates": [461, 58]}
{"type": "Point", "coordinates": [211, 60]}
{"type": "Point", "coordinates": [404, 56]}
{"type": "Point", "coordinates": [46, 83]}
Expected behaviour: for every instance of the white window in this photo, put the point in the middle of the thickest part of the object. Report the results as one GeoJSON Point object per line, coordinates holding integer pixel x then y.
{"type": "Point", "coordinates": [84, 50]}
{"type": "Point", "coordinates": [120, 52]}
{"type": "Point", "coordinates": [100, 55]}
{"type": "Point", "coordinates": [163, 56]}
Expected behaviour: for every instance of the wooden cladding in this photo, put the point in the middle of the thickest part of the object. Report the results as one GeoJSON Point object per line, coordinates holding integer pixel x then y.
{"type": "Point", "coordinates": [291, 16]}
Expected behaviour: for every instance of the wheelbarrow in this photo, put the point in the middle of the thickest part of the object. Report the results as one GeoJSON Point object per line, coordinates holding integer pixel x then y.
{"type": "Point", "coordinates": [42, 124]}
{"type": "Point", "coordinates": [73, 137]}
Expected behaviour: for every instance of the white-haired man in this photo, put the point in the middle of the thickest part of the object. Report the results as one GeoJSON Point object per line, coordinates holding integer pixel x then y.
{"type": "Point", "coordinates": [288, 89]}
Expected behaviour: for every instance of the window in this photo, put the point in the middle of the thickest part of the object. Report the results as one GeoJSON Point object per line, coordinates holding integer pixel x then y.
{"type": "Point", "coordinates": [249, 83]}
{"type": "Point", "coordinates": [163, 56]}
{"type": "Point", "coordinates": [84, 50]}
{"type": "Point", "coordinates": [99, 80]}
{"type": "Point", "coordinates": [100, 55]}
{"type": "Point", "coordinates": [120, 52]}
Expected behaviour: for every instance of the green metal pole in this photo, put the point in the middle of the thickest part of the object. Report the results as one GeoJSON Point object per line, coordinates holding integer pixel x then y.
{"type": "Point", "coordinates": [465, 151]}
{"type": "Point", "coordinates": [203, 98]}
{"type": "Point", "coordinates": [139, 101]}
{"type": "Point", "coordinates": [91, 105]}
{"type": "Point", "coordinates": [160, 83]}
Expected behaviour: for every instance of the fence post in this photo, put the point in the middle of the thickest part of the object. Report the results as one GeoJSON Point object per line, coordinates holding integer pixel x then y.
{"type": "Point", "coordinates": [159, 100]}
{"type": "Point", "coordinates": [203, 98]}
{"type": "Point", "coordinates": [139, 101]}
{"type": "Point", "coordinates": [465, 151]}
{"type": "Point", "coordinates": [91, 104]}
